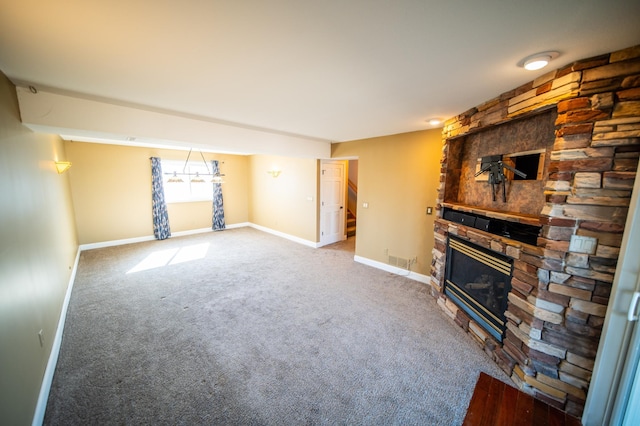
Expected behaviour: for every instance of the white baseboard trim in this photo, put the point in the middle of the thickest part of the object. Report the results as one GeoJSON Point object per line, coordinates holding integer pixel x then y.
{"type": "Point", "coordinates": [191, 232]}
{"type": "Point", "coordinates": [205, 230]}
{"type": "Point", "coordinates": [239, 225]}
{"type": "Point", "coordinates": [283, 235]}
{"type": "Point", "coordinates": [393, 269]}
{"type": "Point", "coordinates": [112, 243]}
{"type": "Point", "coordinates": [45, 387]}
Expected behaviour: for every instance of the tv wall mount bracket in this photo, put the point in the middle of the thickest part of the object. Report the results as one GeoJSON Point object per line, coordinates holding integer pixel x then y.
{"type": "Point", "coordinates": [496, 167]}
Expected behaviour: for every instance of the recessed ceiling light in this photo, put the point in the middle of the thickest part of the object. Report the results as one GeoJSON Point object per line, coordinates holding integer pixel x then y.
{"type": "Point", "coordinates": [538, 61]}
{"type": "Point", "coordinates": [434, 121]}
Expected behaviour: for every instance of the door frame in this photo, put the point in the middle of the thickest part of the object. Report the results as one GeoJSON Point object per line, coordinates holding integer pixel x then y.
{"type": "Point", "coordinates": [345, 164]}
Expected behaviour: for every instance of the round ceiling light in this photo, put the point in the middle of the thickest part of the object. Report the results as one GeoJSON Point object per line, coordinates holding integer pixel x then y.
{"type": "Point", "coordinates": [538, 61]}
{"type": "Point", "coordinates": [434, 121]}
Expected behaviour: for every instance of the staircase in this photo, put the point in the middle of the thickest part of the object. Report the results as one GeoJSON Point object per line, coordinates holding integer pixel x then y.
{"type": "Point", "coordinates": [352, 204]}
{"type": "Point", "coordinates": [351, 224]}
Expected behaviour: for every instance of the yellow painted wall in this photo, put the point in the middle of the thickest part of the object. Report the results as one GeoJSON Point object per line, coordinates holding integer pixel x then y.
{"type": "Point", "coordinates": [287, 203]}
{"type": "Point", "coordinates": [38, 246]}
{"type": "Point", "coordinates": [398, 177]}
{"type": "Point", "coordinates": [111, 187]}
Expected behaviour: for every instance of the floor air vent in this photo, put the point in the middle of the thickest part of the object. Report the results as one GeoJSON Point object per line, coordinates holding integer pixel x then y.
{"type": "Point", "coordinates": [400, 262]}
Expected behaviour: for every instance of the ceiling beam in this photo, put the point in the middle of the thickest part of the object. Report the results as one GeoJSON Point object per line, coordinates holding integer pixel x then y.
{"type": "Point", "coordinates": [91, 120]}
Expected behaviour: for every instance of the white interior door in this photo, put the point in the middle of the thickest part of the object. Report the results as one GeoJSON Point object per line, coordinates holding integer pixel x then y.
{"type": "Point", "coordinates": [332, 211]}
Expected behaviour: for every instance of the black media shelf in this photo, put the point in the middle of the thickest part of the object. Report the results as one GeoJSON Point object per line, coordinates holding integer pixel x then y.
{"type": "Point", "coordinates": [516, 231]}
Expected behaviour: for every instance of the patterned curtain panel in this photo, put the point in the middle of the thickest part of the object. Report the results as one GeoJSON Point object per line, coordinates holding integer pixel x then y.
{"type": "Point", "coordinates": [161, 228]}
{"type": "Point", "coordinates": [218, 206]}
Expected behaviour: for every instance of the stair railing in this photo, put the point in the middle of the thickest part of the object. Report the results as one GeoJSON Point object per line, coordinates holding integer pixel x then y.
{"type": "Point", "coordinates": [353, 197]}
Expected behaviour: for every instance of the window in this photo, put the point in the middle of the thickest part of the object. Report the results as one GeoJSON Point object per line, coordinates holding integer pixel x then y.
{"type": "Point", "coordinates": [187, 190]}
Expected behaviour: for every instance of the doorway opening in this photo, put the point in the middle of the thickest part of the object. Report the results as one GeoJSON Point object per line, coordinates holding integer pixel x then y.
{"type": "Point", "coordinates": [332, 201]}
{"type": "Point", "coordinates": [338, 201]}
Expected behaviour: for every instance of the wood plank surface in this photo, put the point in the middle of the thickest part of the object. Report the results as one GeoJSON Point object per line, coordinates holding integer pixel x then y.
{"type": "Point", "coordinates": [492, 404]}
{"type": "Point", "coordinates": [476, 406]}
{"type": "Point", "coordinates": [495, 403]}
{"type": "Point", "coordinates": [506, 415]}
{"type": "Point", "coordinates": [523, 410]}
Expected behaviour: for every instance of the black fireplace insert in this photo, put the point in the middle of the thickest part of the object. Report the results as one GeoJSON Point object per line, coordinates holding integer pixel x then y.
{"type": "Point", "coordinates": [478, 280]}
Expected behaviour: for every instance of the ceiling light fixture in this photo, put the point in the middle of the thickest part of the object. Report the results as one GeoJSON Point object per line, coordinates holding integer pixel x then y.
{"type": "Point", "coordinates": [434, 121]}
{"type": "Point", "coordinates": [197, 176]}
{"type": "Point", "coordinates": [538, 61]}
{"type": "Point", "coordinates": [175, 178]}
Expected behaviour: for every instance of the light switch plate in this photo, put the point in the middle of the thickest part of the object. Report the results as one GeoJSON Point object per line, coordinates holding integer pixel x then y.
{"type": "Point", "coordinates": [582, 244]}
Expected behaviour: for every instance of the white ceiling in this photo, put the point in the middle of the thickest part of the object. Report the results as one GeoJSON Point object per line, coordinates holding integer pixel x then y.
{"type": "Point", "coordinates": [335, 70]}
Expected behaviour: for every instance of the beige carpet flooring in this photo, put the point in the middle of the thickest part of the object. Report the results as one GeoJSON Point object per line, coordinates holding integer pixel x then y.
{"type": "Point", "coordinates": [243, 327]}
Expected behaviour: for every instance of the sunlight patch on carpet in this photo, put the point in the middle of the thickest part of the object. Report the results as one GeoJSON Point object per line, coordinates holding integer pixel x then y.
{"type": "Point", "coordinates": [161, 258]}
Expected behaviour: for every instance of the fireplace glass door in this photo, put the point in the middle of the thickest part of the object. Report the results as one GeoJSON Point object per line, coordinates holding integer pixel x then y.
{"type": "Point", "coordinates": [478, 281]}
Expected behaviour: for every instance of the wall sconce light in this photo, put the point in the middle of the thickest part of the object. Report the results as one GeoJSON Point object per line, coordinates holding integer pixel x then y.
{"type": "Point", "coordinates": [62, 166]}
{"type": "Point", "coordinates": [274, 173]}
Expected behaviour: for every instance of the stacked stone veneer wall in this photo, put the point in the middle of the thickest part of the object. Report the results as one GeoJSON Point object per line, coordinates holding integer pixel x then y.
{"type": "Point", "coordinates": [559, 297]}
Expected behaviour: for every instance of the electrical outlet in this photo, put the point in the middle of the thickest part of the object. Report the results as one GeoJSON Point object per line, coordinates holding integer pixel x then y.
{"type": "Point", "coordinates": [429, 210]}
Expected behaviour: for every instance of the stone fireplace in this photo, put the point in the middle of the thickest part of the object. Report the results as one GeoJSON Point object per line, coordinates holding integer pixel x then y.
{"type": "Point", "coordinates": [583, 124]}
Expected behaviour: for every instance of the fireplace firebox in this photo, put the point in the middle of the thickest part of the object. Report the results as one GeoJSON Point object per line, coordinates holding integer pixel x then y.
{"type": "Point", "coordinates": [478, 280]}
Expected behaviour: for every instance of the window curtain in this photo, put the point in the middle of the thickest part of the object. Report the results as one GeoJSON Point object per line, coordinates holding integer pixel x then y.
{"type": "Point", "coordinates": [218, 207]}
{"type": "Point", "coordinates": [161, 228]}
